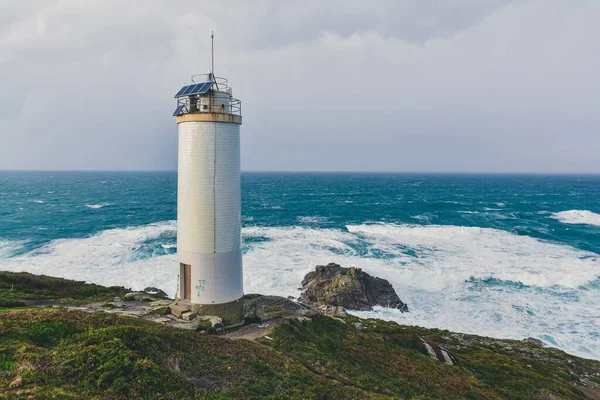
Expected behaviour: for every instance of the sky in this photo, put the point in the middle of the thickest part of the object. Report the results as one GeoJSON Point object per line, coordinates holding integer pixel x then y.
{"type": "Point", "coordinates": [337, 85]}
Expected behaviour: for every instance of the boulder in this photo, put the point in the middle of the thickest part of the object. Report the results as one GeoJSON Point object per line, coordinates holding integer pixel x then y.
{"type": "Point", "coordinates": [435, 351]}
{"type": "Point", "coordinates": [188, 316]}
{"type": "Point", "coordinates": [350, 288]}
{"type": "Point", "coordinates": [155, 292]}
{"type": "Point", "coordinates": [138, 296]}
{"type": "Point", "coordinates": [535, 342]}
{"type": "Point", "coordinates": [267, 307]}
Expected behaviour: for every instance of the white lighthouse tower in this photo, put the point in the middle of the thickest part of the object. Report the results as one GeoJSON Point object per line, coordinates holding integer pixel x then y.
{"type": "Point", "coordinates": [208, 199]}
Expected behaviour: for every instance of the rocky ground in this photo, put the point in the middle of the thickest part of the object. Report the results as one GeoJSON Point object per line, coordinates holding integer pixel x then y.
{"type": "Point", "coordinates": [69, 340]}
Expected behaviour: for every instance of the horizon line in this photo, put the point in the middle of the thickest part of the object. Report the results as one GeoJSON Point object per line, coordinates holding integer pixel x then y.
{"type": "Point", "coordinates": [310, 172]}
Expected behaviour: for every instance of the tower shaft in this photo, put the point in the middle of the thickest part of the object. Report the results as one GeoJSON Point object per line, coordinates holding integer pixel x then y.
{"type": "Point", "coordinates": [209, 250]}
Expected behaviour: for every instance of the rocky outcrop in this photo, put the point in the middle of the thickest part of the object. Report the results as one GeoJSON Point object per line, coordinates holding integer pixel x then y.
{"type": "Point", "coordinates": [435, 351]}
{"type": "Point", "coordinates": [263, 308]}
{"type": "Point", "coordinates": [351, 288]}
{"type": "Point", "coordinates": [332, 311]}
{"type": "Point", "coordinates": [155, 292]}
{"type": "Point", "coordinates": [138, 296]}
{"type": "Point", "coordinates": [535, 342]}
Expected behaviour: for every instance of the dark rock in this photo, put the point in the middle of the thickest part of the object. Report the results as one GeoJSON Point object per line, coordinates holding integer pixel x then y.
{"type": "Point", "coordinates": [267, 307]}
{"type": "Point", "coordinates": [350, 288]}
{"type": "Point", "coordinates": [435, 351]}
{"type": "Point", "coordinates": [535, 342]}
{"type": "Point", "coordinates": [155, 292]}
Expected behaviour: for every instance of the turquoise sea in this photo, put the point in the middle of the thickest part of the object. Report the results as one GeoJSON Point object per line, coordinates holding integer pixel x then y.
{"type": "Point", "coordinates": [507, 256]}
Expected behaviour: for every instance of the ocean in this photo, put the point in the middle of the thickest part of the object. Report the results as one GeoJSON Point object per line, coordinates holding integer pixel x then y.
{"type": "Point", "coordinates": [508, 256]}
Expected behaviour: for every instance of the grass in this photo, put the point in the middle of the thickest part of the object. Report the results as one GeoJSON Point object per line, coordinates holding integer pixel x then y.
{"type": "Point", "coordinates": [18, 288]}
{"type": "Point", "coordinates": [67, 354]}
{"type": "Point", "coordinates": [7, 363]}
{"type": "Point", "coordinates": [74, 354]}
{"type": "Point", "coordinates": [106, 356]}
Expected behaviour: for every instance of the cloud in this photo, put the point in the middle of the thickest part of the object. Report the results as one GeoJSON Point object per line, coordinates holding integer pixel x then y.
{"type": "Point", "coordinates": [384, 85]}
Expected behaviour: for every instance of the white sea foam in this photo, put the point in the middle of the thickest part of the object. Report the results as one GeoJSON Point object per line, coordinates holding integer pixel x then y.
{"type": "Point", "coordinates": [8, 248]}
{"type": "Point", "coordinates": [436, 282]}
{"type": "Point", "coordinates": [447, 255]}
{"type": "Point", "coordinates": [38, 201]}
{"type": "Point", "coordinates": [429, 266]}
{"type": "Point", "coordinates": [97, 206]}
{"type": "Point", "coordinates": [107, 258]}
{"type": "Point", "coordinates": [578, 217]}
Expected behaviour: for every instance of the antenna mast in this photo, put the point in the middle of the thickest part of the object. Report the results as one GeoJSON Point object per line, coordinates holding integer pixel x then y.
{"type": "Point", "coordinates": [212, 49]}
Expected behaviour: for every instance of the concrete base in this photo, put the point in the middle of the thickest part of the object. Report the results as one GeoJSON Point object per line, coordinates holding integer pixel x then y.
{"type": "Point", "coordinates": [232, 313]}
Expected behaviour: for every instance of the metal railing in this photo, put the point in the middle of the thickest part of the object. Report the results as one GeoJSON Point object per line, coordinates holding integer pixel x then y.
{"type": "Point", "coordinates": [234, 107]}
{"type": "Point", "coordinates": [221, 83]}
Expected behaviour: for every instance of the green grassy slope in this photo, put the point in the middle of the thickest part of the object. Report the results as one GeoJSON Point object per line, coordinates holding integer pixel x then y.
{"type": "Point", "coordinates": [66, 354]}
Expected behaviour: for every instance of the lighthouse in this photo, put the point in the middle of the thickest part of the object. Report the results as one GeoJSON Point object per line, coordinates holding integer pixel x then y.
{"type": "Point", "coordinates": [209, 251]}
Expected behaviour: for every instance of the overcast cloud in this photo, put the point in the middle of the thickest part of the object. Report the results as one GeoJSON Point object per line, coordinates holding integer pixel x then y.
{"type": "Point", "coordinates": [398, 85]}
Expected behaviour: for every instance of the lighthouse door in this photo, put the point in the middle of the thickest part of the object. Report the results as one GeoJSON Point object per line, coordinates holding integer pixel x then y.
{"type": "Point", "coordinates": [187, 282]}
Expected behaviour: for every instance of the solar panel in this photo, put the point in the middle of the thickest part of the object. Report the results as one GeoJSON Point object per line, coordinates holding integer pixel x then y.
{"type": "Point", "coordinates": [189, 90]}
{"type": "Point", "coordinates": [178, 110]}
{"type": "Point", "coordinates": [180, 93]}
{"type": "Point", "coordinates": [197, 88]}
{"type": "Point", "coordinates": [207, 86]}
{"type": "Point", "coordinates": [200, 88]}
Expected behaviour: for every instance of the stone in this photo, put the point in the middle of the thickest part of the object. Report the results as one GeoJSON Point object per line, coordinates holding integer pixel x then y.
{"type": "Point", "coordinates": [350, 288]}
{"type": "Point", "coordinates": [161, 311]}
{"type": "Point", "coordinates": [231, 312]}
{"type": "Point", "coordinates": [359, 326]}
{"type": "Point", "coordinates": [188, 316]}
{"type": "Point", "coordinates": [435, 351]}
{"type": "Point", "coordinates": [535, 342]}
{"type": "Point", "coordinates": [159, 303]}
{"type": "Point", "coordinates": [16, 383]}
{"type": "Point", "coordinates": [200, 324]}
{"type": "Point", "coordinates": [178, 309]}
{"type": "Point", "coordinates": [332, 311]}
{"type": "Point", "coordinates": [155, 292]}
{"type": "Point", "coordinates": [138, 296]}
{"type": "Point", "coordinates": [264, 308]}
{"type": "Point", "coordinates": [214, 320]}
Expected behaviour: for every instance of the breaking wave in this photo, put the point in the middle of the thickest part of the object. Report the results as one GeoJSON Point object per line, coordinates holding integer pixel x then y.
{"type": "Point", "coordinates": [578, 217]}
{"type": "Point", "coordinates": [475, 280]}
{"type": "Point", "coordinates": [97, 206]}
